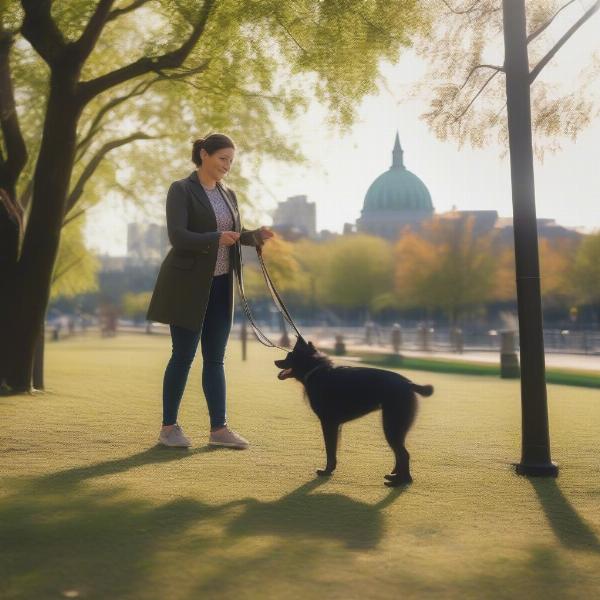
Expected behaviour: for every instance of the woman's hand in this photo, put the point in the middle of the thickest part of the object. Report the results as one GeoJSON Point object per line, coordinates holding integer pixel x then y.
{"type": "Point", "coordinates": [228, 238]}
{"type": "Point", "coordinates": [265, 233]}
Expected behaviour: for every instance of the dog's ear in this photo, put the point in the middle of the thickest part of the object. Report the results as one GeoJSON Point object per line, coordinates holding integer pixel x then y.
{"type": "Point", "coordinates": [301, 343]}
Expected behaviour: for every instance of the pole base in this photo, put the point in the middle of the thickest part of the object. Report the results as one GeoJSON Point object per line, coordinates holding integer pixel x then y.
{"type": "Point", "coordinates": [537, 469]}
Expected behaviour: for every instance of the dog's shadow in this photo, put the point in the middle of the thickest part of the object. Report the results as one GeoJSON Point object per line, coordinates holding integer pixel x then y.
{"type": "Point", "coordinates": [356, 524]}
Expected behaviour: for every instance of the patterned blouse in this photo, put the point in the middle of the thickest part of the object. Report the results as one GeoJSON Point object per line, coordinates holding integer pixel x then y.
{"type": "Point", "coordinates": [224, 223]}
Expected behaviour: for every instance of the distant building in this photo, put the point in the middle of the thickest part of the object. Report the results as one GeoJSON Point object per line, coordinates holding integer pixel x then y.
{"type": "Point", "coordinates": [547, 228]}
{"type": "Point", "coordinates": [146, 242]}
{"type": "Point", "coordinates": [395, 199]}
{"type": "Point", "coordinates": [296, 217]}
{"type": "Point", "coordinates": [111, 264]}
{"type": "Point", "coordinates": [483, 220]}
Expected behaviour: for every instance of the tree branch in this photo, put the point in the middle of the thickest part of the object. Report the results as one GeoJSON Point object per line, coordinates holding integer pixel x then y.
{"type": "Point", "coordinates": [494, 67]}
{"type": "Point", "coordinates": [78, 214]}
{"type": "Point", "coordinates": [88, 171]}
{"type": "Point", "coordinates": [139, 89]}
{"type": "Point", "coordinates": [547, 24]}
{"type": "Point", "coordinates": [121, 11]}
{"type": "Point", "coordinates": [88, 39]}
{"type": "Point", "coordinates": [170, 60]}
{"type": "Point", "coordinates": [289, 33]}
{"type": "Point", "coordinates": [58, 274]}
{"type": "Point", "coordinates": [462, 11]}
{"type": "Point", "coordinates": [562, 41]}
{"type": "Point", "coordinates": [40, 30]}
{"type": "Point", "coordinates": [25, 197]}
{"type": "Point", "coordinates": [16, 149]}
{"type": "Point", "coordinates": [462, 114]}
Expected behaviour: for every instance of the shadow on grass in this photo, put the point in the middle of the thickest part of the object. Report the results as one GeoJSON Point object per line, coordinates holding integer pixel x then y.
{"type": "Point", "coordinates": [355, 524]}
{"type": "Point", "coordinates": [60, 534]}
{"type": "Point", "coordinates": [571, 530]}
{"type": "Point", "coordinates": [542, 574]}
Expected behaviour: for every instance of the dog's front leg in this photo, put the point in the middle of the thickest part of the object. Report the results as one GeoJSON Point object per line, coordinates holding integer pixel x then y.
{"type": "Point", "coordinates": [330, 434]}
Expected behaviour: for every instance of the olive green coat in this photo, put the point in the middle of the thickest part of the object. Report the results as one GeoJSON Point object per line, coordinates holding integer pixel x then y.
{"type": "Point", "coordinates": [184, 280]}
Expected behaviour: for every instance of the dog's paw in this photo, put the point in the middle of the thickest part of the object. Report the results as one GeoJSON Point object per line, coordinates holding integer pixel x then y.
{"type": "Point", "coordinates": [390, 476]}
{"type": "Point", "coordinates": [324, 472]}
{"type": "Point", "coordinates": [397, 480]}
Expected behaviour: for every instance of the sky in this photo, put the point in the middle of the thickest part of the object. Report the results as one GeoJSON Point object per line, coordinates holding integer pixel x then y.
{"type": "Point", "coordinates": [341, 167]}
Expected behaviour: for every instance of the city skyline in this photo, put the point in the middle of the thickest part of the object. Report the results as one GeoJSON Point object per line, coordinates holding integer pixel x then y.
{"type": "Point", "coordinates": [342, 166]}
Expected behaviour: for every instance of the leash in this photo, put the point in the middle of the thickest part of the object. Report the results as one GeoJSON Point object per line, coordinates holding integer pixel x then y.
{"type": "Point", "coordinates": [260, 336]}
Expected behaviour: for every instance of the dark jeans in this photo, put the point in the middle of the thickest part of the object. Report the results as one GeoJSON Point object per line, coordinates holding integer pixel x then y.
{"type": "Point", "coordinates": [213, 338]}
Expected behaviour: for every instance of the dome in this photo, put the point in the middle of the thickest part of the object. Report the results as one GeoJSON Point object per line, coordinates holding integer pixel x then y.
{"type": "Point", "coordinates": [398, 189]}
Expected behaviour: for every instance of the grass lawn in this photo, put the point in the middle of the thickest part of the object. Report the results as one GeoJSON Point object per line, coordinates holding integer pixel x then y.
{"type": "Point", "coordinates": [564, 376]}
{"type": "Point", "coordinates": [91, 508]}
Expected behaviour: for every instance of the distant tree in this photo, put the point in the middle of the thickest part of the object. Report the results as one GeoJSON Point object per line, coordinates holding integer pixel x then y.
{"type": "Point", "coordinates": [135, 305]}
{"type": "Point", "coordinates": [76, 268]}
{"type": "Point", "coordinates": [585, 275]}
{"type": "Point", "coordinates": [359, 270]}
{"type": "Point", "coordinates": [281, 264]}
{"type": "Point", "coordinates": [313, 259]}
{"type": "Point", "coordinates": [445, 266]}
{"type": "Point", "coordinates": [556, 262]}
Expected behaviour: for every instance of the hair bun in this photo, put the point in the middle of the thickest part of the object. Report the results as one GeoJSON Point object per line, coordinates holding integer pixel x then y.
{"type": "Point", "coordinates": [210, 143]}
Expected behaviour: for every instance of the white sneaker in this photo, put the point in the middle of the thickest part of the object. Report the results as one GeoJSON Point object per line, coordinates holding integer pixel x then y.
{"type": "Point", "coordinates": [174, 437]}
{"type": "Point", "coordinates": [227, 437]}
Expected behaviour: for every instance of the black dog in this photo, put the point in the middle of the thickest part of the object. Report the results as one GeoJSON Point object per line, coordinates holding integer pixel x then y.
{"type": "Point", "coordinates": [340, 394]}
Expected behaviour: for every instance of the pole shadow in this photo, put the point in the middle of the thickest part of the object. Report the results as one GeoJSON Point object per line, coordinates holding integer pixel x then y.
{"type": "Point", "coordinates": [571, 530]}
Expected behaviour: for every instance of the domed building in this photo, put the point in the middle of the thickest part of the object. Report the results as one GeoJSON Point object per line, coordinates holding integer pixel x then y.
{"type": "Point", "coordinates": [395, 199]}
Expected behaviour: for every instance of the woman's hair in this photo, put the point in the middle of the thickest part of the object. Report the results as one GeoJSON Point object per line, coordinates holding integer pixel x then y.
{"type": "Point", "coordinates": [211, 143]}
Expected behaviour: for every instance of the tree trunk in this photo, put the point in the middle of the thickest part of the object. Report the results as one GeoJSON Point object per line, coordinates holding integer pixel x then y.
{"type": "Point", "coordinates": [27, 294]}
{"type": "Point", "coordinates": [9, 252]}
{"type": "Point", "coordinates": [535, 458]}
{"type": "Point", "coordinates": [38, 362]}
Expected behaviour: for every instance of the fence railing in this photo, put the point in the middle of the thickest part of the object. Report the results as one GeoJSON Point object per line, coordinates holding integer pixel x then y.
{"type": "Point", "coordinates": [382, 337]}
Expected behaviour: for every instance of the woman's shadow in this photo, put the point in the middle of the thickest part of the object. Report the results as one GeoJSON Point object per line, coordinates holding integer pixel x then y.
{"type": "Point", "coordinates": [56, 520]}
{"type": "Point", "coordinates": [300, 512]}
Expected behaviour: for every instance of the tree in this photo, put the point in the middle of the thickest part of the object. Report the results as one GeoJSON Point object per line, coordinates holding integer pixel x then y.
{"type": "Point", "coordinates": [359, 270]}
{"type": "Point", "coordinates": [312, 259]}
{"type": "Point", "coordinates": [486, 20]}
{"type": "Point", "coordinates": [585, 276]}
{"type": "Point", "coordinates": [135, 305]}
{"type": "Point", "coordinates": [281, 263]}
{"type": "Point", "coordinates": [76, 268]}
{"type": "Point", "coordinates": [233, 52]}
{"type": "Point", "coordinates": [467, 73]}
{"type": "Point", "coordinates": [446, 266]}
{"type": "Point", "coordinates": [556, 261]}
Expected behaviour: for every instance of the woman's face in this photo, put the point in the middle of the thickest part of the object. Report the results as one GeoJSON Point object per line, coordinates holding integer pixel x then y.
{"type": "Point", "coordinates": [217, 165]}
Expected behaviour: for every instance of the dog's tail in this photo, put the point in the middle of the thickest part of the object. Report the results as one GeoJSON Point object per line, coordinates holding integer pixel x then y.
{"type": "Point", "coordinates": [422, 390]}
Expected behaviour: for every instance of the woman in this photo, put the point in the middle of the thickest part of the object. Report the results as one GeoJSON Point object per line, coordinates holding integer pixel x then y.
{"type": "Point", "coordinates": [194, 288]}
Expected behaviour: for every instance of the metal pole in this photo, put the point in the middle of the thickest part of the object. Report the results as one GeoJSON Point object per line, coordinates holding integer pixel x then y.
{"type": "Point", "coordinates": [244, 336]}
{"type": "Point", "coordinates": [535, 457]}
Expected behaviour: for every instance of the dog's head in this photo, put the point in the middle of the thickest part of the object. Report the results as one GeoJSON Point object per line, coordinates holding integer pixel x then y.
{"type": "Point", "coordinates": [299, 361]}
